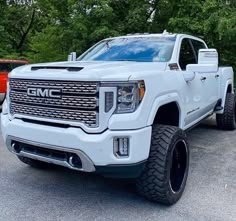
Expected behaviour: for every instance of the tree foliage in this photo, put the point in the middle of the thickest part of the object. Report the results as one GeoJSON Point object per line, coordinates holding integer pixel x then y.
{"type": "Point", "coordinates": [47, 30]}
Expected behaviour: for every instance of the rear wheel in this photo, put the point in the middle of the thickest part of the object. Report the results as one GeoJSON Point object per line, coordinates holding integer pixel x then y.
{"type": "Point", "coordinates": [34, 163]}
{"type": "Point", "coordinates": [164, 177]}
{"type": "Point", "coordinates": [227, 120]}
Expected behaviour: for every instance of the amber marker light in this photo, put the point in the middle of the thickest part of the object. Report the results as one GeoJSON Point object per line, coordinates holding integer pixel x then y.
{"type": "Point", "coordinates": [141, 88]}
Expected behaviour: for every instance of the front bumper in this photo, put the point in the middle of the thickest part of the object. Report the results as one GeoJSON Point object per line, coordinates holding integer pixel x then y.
{"type": "Point", "coordinates": [96, 150]}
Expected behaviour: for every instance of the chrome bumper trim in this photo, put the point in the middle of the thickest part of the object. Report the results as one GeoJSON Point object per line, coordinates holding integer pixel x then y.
{"type": "Point", "coordinates": [87, 164]}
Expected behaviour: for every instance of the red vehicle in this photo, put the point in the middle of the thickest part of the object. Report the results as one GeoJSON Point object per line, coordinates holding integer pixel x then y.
{"type": "Point", "coordinates": [7, 66]}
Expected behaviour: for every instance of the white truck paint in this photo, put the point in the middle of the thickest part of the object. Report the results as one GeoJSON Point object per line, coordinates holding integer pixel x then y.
{"type": "Point", "coordinates": [191, 90]}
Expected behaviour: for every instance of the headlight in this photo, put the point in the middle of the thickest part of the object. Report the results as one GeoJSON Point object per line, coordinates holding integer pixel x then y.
{"type": "Point", "coordinates": [129, 96]}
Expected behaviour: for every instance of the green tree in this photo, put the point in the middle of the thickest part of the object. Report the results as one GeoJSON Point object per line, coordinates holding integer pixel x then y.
{"type": "Point", "coordinates": [47, 30]}
{"type": "Point", "coordinates": [213, 20]}
{"type": "Point", "coordinates": [18, 20]}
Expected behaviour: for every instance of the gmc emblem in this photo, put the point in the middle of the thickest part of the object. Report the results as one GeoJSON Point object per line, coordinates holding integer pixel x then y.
{"type": "Point", "coordinates": [44, 92]}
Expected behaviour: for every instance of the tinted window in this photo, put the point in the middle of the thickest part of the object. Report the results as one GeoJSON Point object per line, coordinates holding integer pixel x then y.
{"type": "Point", "coordinates": [146, 49]}
{"type": "Point", "coordinates": [187, 55]}
{"type": "Point", "coordinates": [197, 46]}
{"type": "Point", "coordinates": [8, 67]}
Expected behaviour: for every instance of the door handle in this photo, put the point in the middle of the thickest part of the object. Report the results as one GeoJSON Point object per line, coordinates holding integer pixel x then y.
{"type": "Point", "coordinates": [203, 78]}
{"type": "Point", "coordinates": [216, 76]}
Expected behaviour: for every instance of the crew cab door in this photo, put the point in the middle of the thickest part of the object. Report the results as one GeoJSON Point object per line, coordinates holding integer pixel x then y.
{"type": "Point", "coordinates": [210, 80]}
{"type": "Point", "coordinates": [193, 91]}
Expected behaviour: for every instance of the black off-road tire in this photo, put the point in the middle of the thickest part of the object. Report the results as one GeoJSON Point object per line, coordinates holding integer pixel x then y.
{"type": "Point", "coordinates": [164, 177]}
{"type": "Point", "coordinates": [34, 163]}
{"type": "Point", "coordinates": [227, 120]}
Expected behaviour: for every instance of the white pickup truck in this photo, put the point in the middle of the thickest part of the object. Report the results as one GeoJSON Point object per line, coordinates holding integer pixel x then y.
{"type": "Point", "coordinates": [121, 109]}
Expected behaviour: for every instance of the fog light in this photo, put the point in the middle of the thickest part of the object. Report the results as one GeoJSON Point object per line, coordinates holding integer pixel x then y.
{"type": "Point", "coordinates": [121, 146]}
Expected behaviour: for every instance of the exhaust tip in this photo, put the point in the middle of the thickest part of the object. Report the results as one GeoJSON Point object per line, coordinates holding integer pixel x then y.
{"type": "Point", "coordinates": [75, 161]}
{"type": "Point", "coordinates": [16, 147]}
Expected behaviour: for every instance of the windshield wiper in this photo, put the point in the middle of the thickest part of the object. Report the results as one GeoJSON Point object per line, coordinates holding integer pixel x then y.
{"type": "Point", "coordinates": [125, 60]}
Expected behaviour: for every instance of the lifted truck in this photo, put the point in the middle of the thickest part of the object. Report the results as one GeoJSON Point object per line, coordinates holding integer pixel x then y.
{"type": "Point", "coordinates": [121, 109]}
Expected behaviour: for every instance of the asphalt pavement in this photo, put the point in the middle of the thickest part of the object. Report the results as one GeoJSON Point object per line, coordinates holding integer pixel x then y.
{"type": "Point", "coordinates": [60, 194]}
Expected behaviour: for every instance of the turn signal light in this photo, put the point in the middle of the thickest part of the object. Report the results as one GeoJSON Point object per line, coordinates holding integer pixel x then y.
{"type": "Point", "coordinates": [141, 88]}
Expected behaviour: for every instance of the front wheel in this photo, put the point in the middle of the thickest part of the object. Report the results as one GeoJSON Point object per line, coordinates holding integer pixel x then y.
{"type": "Point", "coordinates": [164, 177]}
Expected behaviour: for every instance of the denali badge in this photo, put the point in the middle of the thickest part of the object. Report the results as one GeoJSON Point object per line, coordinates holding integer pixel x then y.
{"type": "Point", "coordinates": [44, 92]}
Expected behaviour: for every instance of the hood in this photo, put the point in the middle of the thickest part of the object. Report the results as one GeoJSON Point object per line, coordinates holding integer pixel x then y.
{"type": "Point", "coordinates": [89, 71]}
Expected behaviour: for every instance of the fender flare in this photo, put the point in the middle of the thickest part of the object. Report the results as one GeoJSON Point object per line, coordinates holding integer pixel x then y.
{"type": "Point", "coordinates": [163, 100]}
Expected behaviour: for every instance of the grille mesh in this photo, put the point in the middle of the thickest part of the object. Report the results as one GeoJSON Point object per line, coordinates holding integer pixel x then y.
{"type": "Point", "coordinates": [65, 101]}
{"type": "Point", "coordinates": [78, 102]}
{"type": "Point", "coordinates": [74, 87]}
{"type": "Point", "coordinates": [86, 117]}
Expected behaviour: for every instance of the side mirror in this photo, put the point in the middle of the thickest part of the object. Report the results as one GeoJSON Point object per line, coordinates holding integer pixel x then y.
{"type": "Point", "coordinates": [208, 61]}
{"type": "Point", "coordinates": [208, 56]}
{"type": "Point", "coordinates": [72, 56]}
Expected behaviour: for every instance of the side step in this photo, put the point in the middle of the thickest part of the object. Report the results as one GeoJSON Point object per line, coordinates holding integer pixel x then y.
{"type": "Point", "coordinates": [218, 106]}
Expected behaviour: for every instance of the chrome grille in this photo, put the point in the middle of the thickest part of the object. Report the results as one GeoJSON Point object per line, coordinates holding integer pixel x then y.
{"type": "Point", "coordinates": [86, 117]}
{"type": "Point", "coordinates": [78, 101]}
{"type": "Point", "coordinates": [65, 101]}
{"type": "Point", "coordinates": [75, 87]}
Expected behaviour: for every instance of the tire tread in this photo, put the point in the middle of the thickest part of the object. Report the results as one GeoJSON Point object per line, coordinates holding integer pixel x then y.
{"type": "Point", "coordinates": [153, 183]}
{"type": "Point", "coordinates": [226, 121]}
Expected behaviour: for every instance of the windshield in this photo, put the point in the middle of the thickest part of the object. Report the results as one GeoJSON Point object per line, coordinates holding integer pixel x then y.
{"type": "Point", "coordinates": [8, 67]}
{"type": "Point", "coordinates": [140, 49]}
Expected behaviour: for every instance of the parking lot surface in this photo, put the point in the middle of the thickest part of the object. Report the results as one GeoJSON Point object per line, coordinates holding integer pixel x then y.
{"type": "Point", "coordinates": [61, 194]}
